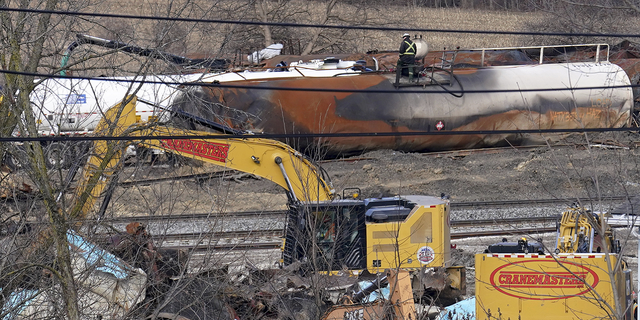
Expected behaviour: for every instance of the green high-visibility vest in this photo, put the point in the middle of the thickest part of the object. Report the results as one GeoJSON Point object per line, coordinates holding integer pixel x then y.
{"type": "Point", "coordinates": [411, 47]}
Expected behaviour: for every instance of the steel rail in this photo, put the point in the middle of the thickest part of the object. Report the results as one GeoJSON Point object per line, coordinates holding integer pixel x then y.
{"type": "Point", "coordinates": [219, 235]}
{"type": "Point", "coordinates": [197, 216]}
{"type": "Point", "coordinates": [507, 221]}
{"type": "Point", "coordinates": [487, 233]}
{"type": "Point", "coordinates": [229, 247]}
{"type": "Point", "coordinates": [277, 244]}
{"type": "Point", "coordinates": [278, 232]}
{"type": "Point", "coordinates": [280, 214]}
{"type": "Point", "coordinates": [497, 203]}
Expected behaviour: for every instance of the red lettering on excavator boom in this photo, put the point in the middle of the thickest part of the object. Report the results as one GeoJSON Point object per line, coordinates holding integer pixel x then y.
{"type": "Point", "coordinates": [209, 150]}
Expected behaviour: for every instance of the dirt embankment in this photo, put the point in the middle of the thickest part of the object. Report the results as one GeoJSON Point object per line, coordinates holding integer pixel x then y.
{"type": "Point", "coordinates": [609, 167]}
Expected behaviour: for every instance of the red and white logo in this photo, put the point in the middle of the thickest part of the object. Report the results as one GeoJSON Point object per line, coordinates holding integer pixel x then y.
{"type": "Point", "coordinates": [210, 150]}
{"type": "Point", "coordinates": [440, 125]}
{"type": "Point", "coordinates": [425, 255]}
{"type": "Point", "coordinates": [539, 279]}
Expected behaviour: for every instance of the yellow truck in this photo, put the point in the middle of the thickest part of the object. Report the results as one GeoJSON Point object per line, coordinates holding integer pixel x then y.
{"type": "Point", "coordinates": [584, 278]}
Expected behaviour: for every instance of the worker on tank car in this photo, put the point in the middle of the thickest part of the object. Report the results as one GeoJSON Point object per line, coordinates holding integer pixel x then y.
{"type": "Point", "coordinates": [407, 57]}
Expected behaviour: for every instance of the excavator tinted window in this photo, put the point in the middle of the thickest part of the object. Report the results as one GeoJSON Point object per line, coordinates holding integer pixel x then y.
{"type": "Point", "coordinates": [339, 236]}
{"type": "Point", "coordinates": [333, 237]}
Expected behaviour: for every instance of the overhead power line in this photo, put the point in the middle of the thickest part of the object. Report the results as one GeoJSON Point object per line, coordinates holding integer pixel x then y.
{"type": "Point", "coordinates": [305, 25]}
{"type": "Point", "coordinates": [216, 84]}
{"type": "Point", "coordinates": [311, 135]}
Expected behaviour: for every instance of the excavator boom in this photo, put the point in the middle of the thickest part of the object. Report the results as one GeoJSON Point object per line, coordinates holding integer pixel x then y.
{"type": "Point", "coordinates": [269, 159]}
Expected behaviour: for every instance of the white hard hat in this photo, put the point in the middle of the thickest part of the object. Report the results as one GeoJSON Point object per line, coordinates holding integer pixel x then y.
{"type": "Point", "coordinates": [405, 35]}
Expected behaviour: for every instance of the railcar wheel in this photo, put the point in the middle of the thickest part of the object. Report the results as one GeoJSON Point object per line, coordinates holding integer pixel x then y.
{"type": "Point", "coordinates": [11, 161]}
{"type": "Point", "coordinates": [56, 156]}
{"type": "Point", "coordinates": [15, 157]}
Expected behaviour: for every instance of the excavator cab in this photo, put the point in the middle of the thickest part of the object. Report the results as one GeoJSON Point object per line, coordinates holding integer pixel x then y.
{"type": "Point", "coordinates": [333, 239]}
{"type": "Point", "coordinates": [371, 234]}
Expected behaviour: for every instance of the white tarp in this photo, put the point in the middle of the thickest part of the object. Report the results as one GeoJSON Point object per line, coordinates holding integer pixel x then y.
{"type": "Point", "coordinates": [266, 53]}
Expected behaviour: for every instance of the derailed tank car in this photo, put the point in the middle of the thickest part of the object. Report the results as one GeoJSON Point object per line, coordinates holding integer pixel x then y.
{"type": "Point", "coordinates": [447, 97]}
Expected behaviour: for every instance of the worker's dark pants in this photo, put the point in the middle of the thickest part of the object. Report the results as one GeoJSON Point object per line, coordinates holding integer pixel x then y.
{"type": "Point", "coordinates": [403, 66]}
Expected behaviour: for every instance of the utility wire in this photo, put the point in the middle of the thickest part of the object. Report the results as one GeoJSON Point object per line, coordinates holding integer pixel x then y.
{"type": "Point", "coordinates": [305, 25]}
{"type": "Point", "coordinates": [311, 135]}
{"type": "Point", "coordinates": [317, 135]}
{"type": "Point", "coordinates": [307, 89]}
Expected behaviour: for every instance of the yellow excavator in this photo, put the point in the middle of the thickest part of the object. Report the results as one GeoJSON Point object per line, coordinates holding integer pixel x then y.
{"type": "Point", "coordinates": [324, 231]}
{"type": "Point", "coordinates": [398, 305]}
{"type": "Point", "coordinates": [582, 231]}
{"type": "Point", "coordinates": [405, 236]}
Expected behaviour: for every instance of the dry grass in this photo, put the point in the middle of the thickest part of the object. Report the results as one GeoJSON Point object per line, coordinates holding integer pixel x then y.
{"type": "Point", "coordinates": [463, 19]}
{"type": "Point", "coordinates": [475, 20]}
{"type": "Point", "coordinates": [230, 41]}
{"type": "Point", "coordinates": [214, 40]}
{"type": "Point", "coordinates": [207, 38]}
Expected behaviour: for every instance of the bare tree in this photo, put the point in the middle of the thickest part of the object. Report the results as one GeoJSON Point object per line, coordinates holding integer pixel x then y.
{"type": "Point", "coordinates": [599, 17]}
{"type": "Point", "coordinates": [27, 48]}
{"type": "Point", "coordinates": [33, 43]}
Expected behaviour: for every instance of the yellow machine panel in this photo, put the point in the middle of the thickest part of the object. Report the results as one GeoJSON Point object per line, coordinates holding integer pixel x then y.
{"type": "Point", "coordinates": [422, 239]}
{"type": "Point", "coordinates": [400, 304]}
{"type": "Point", "coordinates": [564, 286]}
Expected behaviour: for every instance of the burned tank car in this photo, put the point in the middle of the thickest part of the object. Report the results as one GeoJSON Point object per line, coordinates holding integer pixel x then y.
{"type": "Point", "coordinates": [572, 96]}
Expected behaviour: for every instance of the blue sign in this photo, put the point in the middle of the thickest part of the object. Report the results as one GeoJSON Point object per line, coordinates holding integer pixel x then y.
{"type": "Point", "coordinates": [76, 98]}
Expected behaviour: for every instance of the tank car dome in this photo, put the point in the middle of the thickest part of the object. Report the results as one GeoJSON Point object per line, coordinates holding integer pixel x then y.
{"type": "Point", "coordinates": [422, 48]}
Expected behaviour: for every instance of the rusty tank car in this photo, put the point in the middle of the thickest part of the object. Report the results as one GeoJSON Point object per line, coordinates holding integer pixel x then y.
{"type": "Point", "coordinates": [449, 96]}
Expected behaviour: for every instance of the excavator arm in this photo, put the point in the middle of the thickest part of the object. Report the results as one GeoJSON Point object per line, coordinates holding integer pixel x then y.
{"type": "Point", "coordinates": [581, 231]}
{"type": "Point", "coordinates": [269, 159]}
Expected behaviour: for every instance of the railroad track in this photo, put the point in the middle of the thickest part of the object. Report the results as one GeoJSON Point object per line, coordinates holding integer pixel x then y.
{"type": "Point", "coordinates": [281, 213]}
{"type": "Point", "coordinates": [246, 240]}
{"type": "Point", "coordinates": [202, 236]}
{"type": "Point", "coordinates": [272, 245]}
{"type": "Point", "coordinates": [504, 232]}
{"type": "Point", "coordinates": [197, 216]}
{"type": "Point", "coordinates": [525, 202]}
{"type": "Point", "coordinates": [229, 247]}
{"type": "Point", "coordinates": [505, 221]}
{"type": "Point", "coordinates": [253, 234]}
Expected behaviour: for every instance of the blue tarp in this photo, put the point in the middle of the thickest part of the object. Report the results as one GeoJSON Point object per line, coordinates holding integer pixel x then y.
{"type": "Point", "coordinates": [94, 256]}
{"type": "Point", "coordinates": [97, 257]}
{"type": "Point", "coordinates": [17, 302]}
{"type": "Point", "coordinates": [463, 310]}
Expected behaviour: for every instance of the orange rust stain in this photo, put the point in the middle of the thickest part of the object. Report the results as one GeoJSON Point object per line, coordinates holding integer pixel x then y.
{"type": "Point", "coordinates": [317, 110]}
